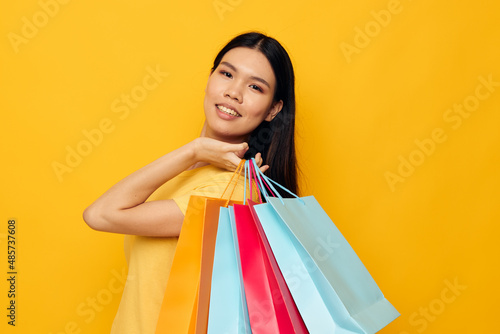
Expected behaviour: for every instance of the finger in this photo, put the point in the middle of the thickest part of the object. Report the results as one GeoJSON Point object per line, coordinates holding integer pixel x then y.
{"type": "Point", "coordinates": [241, 149]}
{"type": "Point", "coordinates": [234, 161]}
{"type": "Point", "coordinates": [264, 168]}
{"type": "Point", "coordinates": [258, 159]}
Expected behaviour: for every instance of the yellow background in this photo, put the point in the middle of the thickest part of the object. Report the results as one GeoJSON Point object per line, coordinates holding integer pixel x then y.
{"type": "Point", "coordinates": [359, 113]}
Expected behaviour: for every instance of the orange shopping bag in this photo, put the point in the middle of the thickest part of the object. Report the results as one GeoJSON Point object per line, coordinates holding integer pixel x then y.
{"type": "Point", "coordinates": [186, 300]}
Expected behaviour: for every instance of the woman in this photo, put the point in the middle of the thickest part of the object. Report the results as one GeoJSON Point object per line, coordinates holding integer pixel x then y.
{"type": "Point", "coordinates": [250, 111]}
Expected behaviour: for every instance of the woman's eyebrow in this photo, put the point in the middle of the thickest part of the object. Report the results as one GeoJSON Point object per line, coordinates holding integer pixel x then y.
{"type": "Point", "coordinates": [231, 66]}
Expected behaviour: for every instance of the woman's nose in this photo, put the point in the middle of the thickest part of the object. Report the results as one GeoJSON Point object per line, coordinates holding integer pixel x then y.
{"type": "Point", "coordinates": [234, 92]}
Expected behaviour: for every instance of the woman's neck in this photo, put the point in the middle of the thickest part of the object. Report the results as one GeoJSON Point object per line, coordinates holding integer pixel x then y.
{"type": "Point", "coordinates": [205, 132]}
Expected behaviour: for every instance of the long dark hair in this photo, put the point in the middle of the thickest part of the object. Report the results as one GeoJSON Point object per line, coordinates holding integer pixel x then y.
{"type": "Point", "coordinates": [275, 139]}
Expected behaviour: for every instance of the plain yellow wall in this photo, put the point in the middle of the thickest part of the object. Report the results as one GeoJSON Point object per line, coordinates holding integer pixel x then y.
{"type": "Point", "coordinates": [398, 118]}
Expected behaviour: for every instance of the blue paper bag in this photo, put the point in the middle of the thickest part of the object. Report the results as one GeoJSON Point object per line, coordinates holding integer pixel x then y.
{"type": "Point", "coordinates": [333, 290]}
{"type": "Point", "coordinates": [228, 313]}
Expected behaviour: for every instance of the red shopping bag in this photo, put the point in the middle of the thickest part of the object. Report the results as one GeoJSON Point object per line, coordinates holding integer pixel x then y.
{"type": "Point", "coordinates": [270, 305]}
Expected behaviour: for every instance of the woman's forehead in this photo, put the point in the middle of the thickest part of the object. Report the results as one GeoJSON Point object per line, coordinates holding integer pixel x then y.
{"type": "Point", "coordinates": [249, 62]}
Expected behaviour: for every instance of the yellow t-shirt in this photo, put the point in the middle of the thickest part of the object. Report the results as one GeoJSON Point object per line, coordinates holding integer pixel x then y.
{"type": "Point", "coordinates": [149, 258]}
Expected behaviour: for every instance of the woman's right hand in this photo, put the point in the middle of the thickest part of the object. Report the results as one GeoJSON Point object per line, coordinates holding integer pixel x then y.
{"type": "Point", "coordinates": [221, 154]}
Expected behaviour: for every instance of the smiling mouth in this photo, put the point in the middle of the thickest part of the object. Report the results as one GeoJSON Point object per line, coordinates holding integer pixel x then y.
{"type": "Point", "coordinates": [228, 111]}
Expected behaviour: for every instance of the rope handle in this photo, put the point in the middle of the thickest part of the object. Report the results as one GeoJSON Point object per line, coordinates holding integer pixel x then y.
{"type": "Point", "coordinates": [264, 180]}
{"type": "Point", "coordinates": [252, 181]}
{"type": "Point", "coordinates": [237, 173]}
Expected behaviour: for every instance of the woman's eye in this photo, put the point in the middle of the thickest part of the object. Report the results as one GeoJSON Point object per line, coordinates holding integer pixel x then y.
{"type": "Point", "coordinates": [227, 74]}
{"type": "Point", "coordinates": [256, 87]}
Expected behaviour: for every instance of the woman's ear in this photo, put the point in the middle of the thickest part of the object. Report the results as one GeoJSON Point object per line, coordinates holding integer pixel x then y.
{"type": "Point", "coordinates": [275, 109]}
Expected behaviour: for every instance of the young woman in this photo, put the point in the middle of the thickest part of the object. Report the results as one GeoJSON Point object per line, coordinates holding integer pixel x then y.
{"type": "Point", "coordinates": [249, 111]}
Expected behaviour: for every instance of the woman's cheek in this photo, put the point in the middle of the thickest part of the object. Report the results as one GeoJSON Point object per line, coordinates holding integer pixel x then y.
{"type": "Point", "coordinates": [253, 108]}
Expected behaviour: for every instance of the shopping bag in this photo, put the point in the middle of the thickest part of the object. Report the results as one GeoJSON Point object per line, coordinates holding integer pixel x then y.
{"type": "Point", "coordinates": [228, 313]}
{"type": "Point", "coordinates": [186, 300]}
{"type": "Point", "coordinates": [270, 305]}
{"type": "Point", "coordinates": [333, 290]}
{"type": "Point", "coordinates": [178, 312]}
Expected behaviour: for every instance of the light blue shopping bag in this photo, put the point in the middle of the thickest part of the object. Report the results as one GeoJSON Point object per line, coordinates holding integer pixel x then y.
{"type": "Point", "coordinates": [228, 313]}
{"type": "Point", "coordinates": [333, 290]}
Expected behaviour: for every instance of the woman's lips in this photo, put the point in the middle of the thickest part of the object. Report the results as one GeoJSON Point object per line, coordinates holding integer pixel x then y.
{"type": "Point", "coordinates": [228, 111]}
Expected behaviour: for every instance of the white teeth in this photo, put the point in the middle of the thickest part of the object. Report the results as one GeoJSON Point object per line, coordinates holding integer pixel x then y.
{"type": "Point", "coordinates": [228, 111]}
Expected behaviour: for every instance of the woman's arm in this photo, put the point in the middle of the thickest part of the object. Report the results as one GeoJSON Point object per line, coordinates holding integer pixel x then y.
{"type": "Point", "coordinates": [123, 208]}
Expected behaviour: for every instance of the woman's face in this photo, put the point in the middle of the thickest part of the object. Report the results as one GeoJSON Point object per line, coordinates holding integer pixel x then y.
{"type": "Point", "coordinates": [239, 95]}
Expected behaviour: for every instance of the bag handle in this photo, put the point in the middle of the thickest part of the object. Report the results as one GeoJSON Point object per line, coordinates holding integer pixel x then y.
{"type": "Point", "coordinates": [263, 183]}
{"type": "Point", "coordinates": [264, 180]}
{"type": "Point", "coordinates": [257, 177]}
{"type": "Point", "coordinates": [252, 179]}
{"type": "Point", "coordinates": [255, 181]}
{"type": "Point", "coordinates": [237, 173]}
